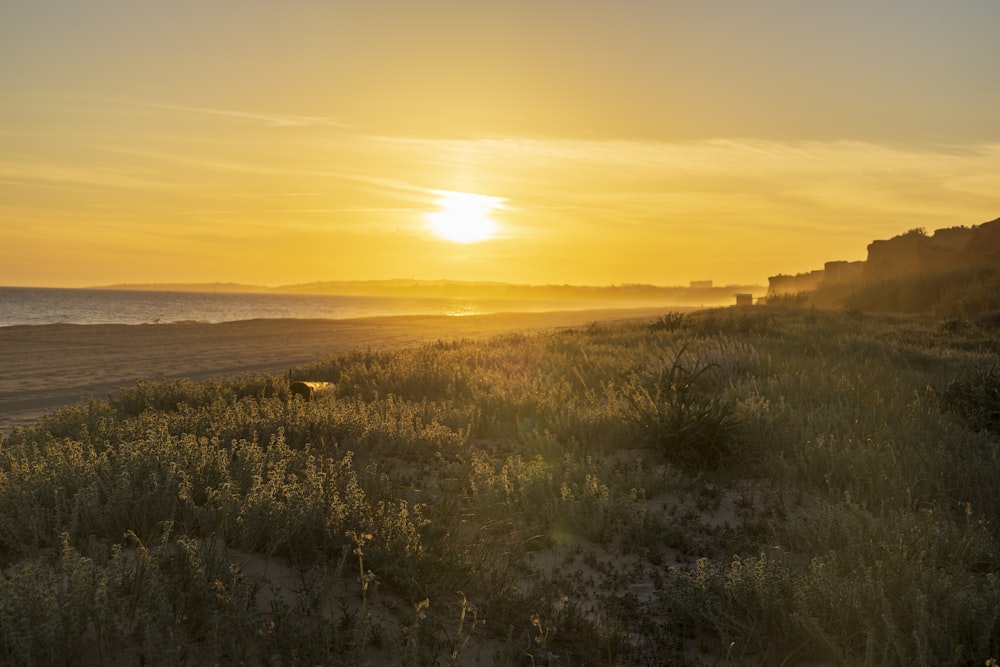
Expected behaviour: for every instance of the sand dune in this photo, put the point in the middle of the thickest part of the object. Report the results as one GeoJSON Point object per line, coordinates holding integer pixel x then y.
{"type": "Point", "coordinates": [44, 367]}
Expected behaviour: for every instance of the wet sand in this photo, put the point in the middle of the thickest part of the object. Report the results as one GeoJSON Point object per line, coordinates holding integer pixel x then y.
{"type": "Point", "coordinates": [48, 366]}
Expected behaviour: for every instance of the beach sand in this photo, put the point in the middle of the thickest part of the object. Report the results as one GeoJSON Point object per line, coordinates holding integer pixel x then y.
{"type": "Point", "coordinates": [48, 366]}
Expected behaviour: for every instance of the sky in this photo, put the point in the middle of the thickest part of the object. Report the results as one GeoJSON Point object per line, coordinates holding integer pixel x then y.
{"type": "Point", "coordinates": [555, 142]}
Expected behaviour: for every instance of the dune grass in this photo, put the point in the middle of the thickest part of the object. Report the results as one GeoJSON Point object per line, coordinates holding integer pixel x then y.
{"type": "Point", "coordinates": [737, 486]}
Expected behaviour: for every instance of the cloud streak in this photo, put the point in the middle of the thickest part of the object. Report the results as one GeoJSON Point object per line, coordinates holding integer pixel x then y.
{"type": "Point", "coordinates": [659, 177]}
{"type": "Point", "coordinates": [269, 119]}
{"type": "Point", "coordinates": [638, 211]}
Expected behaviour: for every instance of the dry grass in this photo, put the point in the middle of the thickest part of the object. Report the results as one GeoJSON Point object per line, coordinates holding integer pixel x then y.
{"type": "Point", "coordinates": [739, 486]}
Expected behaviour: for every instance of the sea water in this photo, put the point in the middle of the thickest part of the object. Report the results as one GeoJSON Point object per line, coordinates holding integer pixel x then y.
{"type": "Point", "coordinates": [34, 305]}
{"type": "Point", "coordinates": [30, 305]}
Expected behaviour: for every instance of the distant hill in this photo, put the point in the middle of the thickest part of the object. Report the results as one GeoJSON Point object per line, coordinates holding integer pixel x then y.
{"type": "Point", "coordinates": [186, 287]}
{"type": "Point", "coordinates": [496, 290]}
{"type": "Point", "coordinates": [624, 294]}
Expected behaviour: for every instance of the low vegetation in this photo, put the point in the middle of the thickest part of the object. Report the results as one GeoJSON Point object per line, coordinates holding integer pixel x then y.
{"type": "Point", "coordinates": [968, 293]}
{"type": "Point", "coordinates": [741, 486]}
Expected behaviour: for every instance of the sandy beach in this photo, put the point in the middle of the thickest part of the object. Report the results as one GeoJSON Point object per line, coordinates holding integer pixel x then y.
{"type": "Point", "coordinates": [48, 366]}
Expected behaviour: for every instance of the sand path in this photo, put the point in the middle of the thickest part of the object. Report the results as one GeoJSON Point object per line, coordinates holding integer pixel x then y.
{"type": "Point", "coordinates": [44, 367]}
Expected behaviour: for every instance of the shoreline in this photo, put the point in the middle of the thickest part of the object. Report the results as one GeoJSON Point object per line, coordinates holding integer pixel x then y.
{"type": "Point", "coordinates": [48, 366]}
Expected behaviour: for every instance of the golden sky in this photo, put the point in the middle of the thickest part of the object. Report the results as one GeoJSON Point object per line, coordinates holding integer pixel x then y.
{"type": "Point", "coordinates": [593, 143]}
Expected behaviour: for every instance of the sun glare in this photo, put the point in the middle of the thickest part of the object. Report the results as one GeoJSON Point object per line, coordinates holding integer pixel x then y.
{"type": "Point", "coordinates": [464, 217]}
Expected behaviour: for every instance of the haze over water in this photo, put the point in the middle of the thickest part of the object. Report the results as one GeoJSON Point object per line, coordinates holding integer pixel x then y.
{"type": "Point", "coordinates": [36, 306]}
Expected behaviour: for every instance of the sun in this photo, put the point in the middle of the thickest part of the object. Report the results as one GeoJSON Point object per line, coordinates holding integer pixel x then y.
{"type": "Point", "coordinates": [464, 217]}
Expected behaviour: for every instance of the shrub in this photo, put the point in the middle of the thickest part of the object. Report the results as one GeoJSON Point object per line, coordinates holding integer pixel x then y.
{"type": "Point", "coordinates": [223, 523]}
{"type": "Point", "coordinates": [688, 425]}
{"type": "Point", "coordinates": [975, 397]}
{"type": "Point", "coordinates": [668, 322]}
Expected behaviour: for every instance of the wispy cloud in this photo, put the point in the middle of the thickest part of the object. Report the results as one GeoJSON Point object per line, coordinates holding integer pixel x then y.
{"type": "Point", "coordinates": [78, 104]}
{"type": "Point", "coordinates": [821, 177]}
{"type": "Point", "coordinates": [271, 119]}
{"type": "Point", "coordinates": [47, 175]}
{"type": "Point", "coordinates": [626, 209]}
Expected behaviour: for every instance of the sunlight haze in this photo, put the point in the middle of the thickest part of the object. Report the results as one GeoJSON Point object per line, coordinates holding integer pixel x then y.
{"type": "Point", "coordinates": [464, 217]}
{"type": "Point", "coordinates": [558, 142]}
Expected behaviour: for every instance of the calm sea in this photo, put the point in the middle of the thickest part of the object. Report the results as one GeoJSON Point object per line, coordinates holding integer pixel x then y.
{"type": "Point", "coordinates": [32, 305]}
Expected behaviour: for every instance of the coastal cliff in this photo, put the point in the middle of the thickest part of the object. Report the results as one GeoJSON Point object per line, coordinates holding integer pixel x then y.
{"type": "Point", "coordinates": [954, 272]}
{"type": "Point", "coordinates": [913, 254]}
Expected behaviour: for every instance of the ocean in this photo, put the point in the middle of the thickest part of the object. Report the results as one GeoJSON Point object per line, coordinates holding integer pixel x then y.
{"type": "Point", "coordinates": [35, 305]}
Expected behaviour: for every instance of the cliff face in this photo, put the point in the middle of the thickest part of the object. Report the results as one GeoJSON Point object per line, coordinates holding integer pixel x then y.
{"type": "Point", "coordinates": [800, 282]}
{"type": "Point", "coordinates": [983, 248]}
{"type": "Point", "coordinates": [911, 254]}
{"type": "Point", "coordinates": [916, 253]}
{"type": "Point", "coordinates": [842, 273]}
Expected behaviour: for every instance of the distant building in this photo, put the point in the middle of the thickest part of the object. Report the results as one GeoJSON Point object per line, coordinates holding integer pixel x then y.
{"type": "Point", "coordinates": [701, 284]}
{"type": "Point", "coordinates": [744, 299]}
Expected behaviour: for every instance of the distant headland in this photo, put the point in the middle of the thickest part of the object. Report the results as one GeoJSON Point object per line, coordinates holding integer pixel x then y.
{"type": "Point", "coordinates": [698, 292]}
{"type": "Point", "coordinates": [952, 271]}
